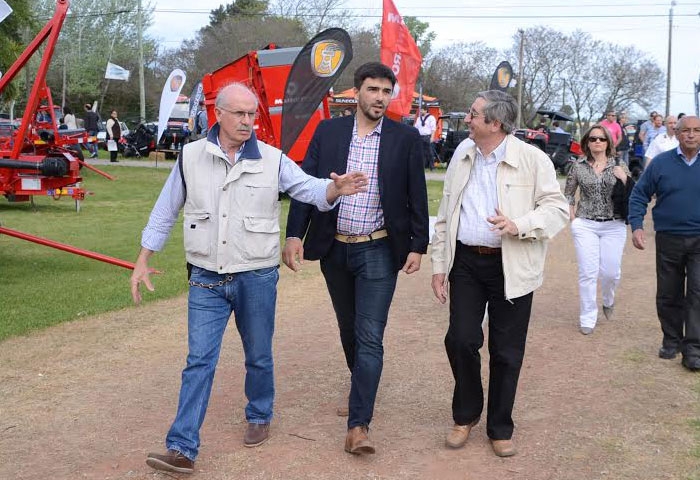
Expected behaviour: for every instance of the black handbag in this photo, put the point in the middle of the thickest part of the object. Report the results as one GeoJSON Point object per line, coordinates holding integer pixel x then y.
{"type": "Point", "coordinates": [621, 196]}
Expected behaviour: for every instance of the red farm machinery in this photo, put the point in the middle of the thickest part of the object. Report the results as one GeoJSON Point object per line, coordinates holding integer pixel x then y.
{"type": "Point", "coordinates": [36, 158]}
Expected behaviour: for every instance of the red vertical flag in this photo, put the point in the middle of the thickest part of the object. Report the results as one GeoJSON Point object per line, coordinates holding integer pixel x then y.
{"type": "Point", "coordinates": [399, 52]}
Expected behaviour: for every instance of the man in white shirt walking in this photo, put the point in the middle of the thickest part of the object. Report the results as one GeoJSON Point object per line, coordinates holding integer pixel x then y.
{"type": "Point", "coordinates": [663, 142]}
{"type": "Point", "coordinates": [426, 125]}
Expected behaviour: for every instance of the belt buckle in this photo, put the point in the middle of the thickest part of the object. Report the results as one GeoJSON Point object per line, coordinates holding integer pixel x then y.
{"type": "Point", "coordinates": [353, 239]}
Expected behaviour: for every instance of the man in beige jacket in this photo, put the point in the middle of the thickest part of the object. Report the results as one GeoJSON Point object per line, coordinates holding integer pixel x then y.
{"type": "Point", "coordinates": [501, 203]}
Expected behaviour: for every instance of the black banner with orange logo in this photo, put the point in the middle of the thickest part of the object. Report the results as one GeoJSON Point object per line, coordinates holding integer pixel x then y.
{"type": "Point", "coordinates": [315, 69]}
{"type": "Point", "coordinates": [501, 77]}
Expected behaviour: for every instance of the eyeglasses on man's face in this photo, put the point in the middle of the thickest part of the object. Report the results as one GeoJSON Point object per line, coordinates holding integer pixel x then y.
{"type": "Point", "coordinates": [239, 114]}
{"type": "Point", "coordinates": [474, 114]}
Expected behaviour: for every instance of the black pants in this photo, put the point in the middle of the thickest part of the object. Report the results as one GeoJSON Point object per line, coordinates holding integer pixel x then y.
{"type": "Point", "coordinates": [428, 152]}
{"type": "Point", "coordinates": [678, 292]}
{"type": "Point", "coordinates": [113, 156]}
{"type": "Point", "coordinates": [476, 280]}
{"type": "Point", "coordinates": [361, 279]}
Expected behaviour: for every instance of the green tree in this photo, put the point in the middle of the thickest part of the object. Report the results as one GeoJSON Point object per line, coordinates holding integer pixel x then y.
{"type": "Point", "coordinates": [422, 36]}
{"type": "Point", "coordinates": [12, 30]}
{"type": "Point", "coordinates": [95, 32]}
{"type": "Point", "coordinates": [238, 8]}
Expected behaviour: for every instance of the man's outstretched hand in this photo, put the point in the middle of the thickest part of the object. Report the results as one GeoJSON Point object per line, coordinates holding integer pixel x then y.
{"type": "Point", "coordinates": [347, 184]}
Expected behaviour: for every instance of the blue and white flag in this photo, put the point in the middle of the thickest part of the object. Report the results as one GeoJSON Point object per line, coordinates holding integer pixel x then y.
{"type": "Point", "coordinates": [115, 72]}
{"type": "Point", "coordinates": [5, 10]}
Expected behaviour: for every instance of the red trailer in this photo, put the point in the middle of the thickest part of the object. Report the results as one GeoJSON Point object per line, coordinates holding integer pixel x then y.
{"type": "Point", "coordinates": [265, 72]}
{"type": "Point", "coordinates": [37, 158]}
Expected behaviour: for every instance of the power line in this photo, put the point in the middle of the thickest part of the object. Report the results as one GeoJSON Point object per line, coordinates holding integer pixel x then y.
{"type": "Point", "coordinates": [456, 16]}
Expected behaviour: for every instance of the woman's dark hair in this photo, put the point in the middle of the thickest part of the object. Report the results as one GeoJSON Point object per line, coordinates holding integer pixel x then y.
{"type": "Point", "coordinates": [67, 111]}
{"type": "Point", "coordinates": [609, 148]}
{"type": "Point", "coordinates": [373, 70]}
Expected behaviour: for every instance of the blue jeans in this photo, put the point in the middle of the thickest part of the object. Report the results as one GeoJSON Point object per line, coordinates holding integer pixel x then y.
{"type": "Point", "coordinates": [92, 148]}
{"type": "Point", "coordinates": [251, 296]}
{"type": "Point", "coordinates": [361, 279]}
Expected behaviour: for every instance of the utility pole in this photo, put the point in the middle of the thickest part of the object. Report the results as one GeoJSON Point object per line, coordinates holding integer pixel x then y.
{"type": "Point", "coordinates": [697, 98]}
{"type": "Point", "coordinates": [668, 64]}
{"type": "Point", "coordinates": [520, 78]}
{"type": "Point", "coordinates": [142, 92]}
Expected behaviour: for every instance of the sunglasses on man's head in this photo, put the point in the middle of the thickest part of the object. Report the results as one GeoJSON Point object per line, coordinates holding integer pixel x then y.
{"type": "Point", "coordinates": [597, 139]}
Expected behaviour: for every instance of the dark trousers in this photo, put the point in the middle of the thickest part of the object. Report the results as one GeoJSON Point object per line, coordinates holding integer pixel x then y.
{"type": "Point", "coordinates": [428, 152]}
{"type": "Point", "coordinates": [476, 280]}
{"type": "Point", "coordinates": [113, 156]}
{"type": "Point", "coordinates": [678, 292]}
{"type": "Point", "coordinates": [361, 279]}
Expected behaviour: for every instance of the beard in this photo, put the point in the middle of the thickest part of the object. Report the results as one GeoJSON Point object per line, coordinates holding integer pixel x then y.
{"type": "Point", "coordinates": [368, 112]}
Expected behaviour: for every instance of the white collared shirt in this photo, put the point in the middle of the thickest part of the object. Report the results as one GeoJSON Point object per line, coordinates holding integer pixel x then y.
{"type": "Point", "coordinates": [480, 200]}
{"type": "Point", "coordinates": [662, 143]}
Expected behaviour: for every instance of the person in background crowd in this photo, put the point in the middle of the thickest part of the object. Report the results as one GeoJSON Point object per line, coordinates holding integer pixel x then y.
{"type": "Point", "coordinates": [557, 128]}
{"type": "Point", "coordinates": [656, 128]}
{"type": "Point", "coordinates": [347, 112]}
{"type": "Point", "coordinates": [623, 148]}
{"type": "Point", "coordinates": [369, 238]}
{"type": "Point", "coordinates": [599, 234]}
{"type": "Point", "coordinates": [610, 123]}
{"type": "Point", "coordinates": [663, 142]}
{"type": "Point", "coordinates": [69, 119]}
{"type": "Point", "coordinates": [228, 185]}
{"type": "Point", "coordinates": [90, 124]}
{"type": "Point", "coordinates": [673, 177]}
{"type": "Point", "coordinates": [201, 122]}
{"type": "Point", "coordinates": [114, 132]}
{"type": "Point", "coordinates": [62, 124]}
{"type": "Point", "coordinates": [426, 125]}
{"type": "Point", "coordinates": [644, 128]}
{"type": "Point", "coordinates": [501, 204]}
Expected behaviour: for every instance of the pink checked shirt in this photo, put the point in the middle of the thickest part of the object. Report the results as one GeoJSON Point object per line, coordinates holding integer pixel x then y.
{"type": "Point", "coordinates": [361, 214]}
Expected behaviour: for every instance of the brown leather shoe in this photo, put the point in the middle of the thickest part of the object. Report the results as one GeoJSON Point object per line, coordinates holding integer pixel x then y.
{"type": "Point", "coordinates": [357, 441]}
{"type": "Point", "coordinates": [459, 434]}
{"type": "Point", "coordinates": [256, 434]}
{"type": "Point", "coordinates": [172, 461]}
{"type": "Point", "coordinates": [503, 448]}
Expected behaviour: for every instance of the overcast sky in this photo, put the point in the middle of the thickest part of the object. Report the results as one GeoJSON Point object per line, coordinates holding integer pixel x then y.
{"type": "Point", "coordinates": [643, 23]}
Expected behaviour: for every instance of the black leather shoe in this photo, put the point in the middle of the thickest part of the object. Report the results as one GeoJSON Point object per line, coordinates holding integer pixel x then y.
{"type": "Point", "coordinates": [692, 364]}
{"type": "Point", "coordinates": [668, 353]}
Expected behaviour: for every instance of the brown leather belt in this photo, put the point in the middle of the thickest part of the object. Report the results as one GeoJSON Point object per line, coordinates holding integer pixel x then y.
{"type": "Point", "coordinates": [481, 250]}
{"type": "Point", "coordinates": [361, 238]}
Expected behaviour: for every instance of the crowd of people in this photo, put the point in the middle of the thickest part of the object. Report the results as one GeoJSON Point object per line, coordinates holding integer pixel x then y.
{"type": "Point", "coordinates": [360, 207]}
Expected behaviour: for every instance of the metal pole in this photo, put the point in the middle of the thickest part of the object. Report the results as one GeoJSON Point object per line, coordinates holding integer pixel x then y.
{"type": "Point", "coordinates": [520, 78]}
{"type": "Point", "coordinates": [67, 248]}
{"type": "Point", "coordinates": [142, 92]}
{"type": "Point", "coordinates": [668, 64]}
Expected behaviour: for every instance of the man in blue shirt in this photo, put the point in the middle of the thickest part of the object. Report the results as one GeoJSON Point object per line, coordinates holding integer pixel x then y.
{"type": "Point", "coordinates": [673, 177]}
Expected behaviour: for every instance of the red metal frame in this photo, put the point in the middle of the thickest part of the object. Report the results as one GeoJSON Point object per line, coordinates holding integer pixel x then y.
{"type": "Point", "coordinates": [67, 248]}
{"type": "Point", "coordinates": [38, 139]}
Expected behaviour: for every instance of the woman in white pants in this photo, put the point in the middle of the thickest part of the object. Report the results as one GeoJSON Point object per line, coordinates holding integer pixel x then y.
{"type": "Point", "coordinates": [599, 237]}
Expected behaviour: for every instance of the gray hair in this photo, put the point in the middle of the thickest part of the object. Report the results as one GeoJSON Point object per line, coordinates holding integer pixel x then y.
{"type": "Point", "coordinates": [682, 121]}
{"type": "Point", "coordinates": [238, 87]}
{"type": "Point", "coordinates": [500, 107]}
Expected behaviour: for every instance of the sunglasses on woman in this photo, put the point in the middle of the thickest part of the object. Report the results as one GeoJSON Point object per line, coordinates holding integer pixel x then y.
{"type": "Point", "coordinates": [597, 139]}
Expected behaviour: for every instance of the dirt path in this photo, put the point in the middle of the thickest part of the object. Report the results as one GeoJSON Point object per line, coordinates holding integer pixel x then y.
{"type": "Point", "coordinates": [89, 399]}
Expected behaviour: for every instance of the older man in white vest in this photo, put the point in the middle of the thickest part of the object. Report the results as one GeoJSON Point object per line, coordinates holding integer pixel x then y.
{"type": "Point", "coordinates": [228, 184]}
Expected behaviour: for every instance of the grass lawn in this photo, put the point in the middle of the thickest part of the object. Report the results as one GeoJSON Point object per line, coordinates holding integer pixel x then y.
{"type": "Point", "coordinates": [42, 286]}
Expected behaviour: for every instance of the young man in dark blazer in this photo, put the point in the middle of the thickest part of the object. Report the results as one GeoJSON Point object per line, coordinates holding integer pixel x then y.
{"type": "Point", "coordinates": [362, 244]}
